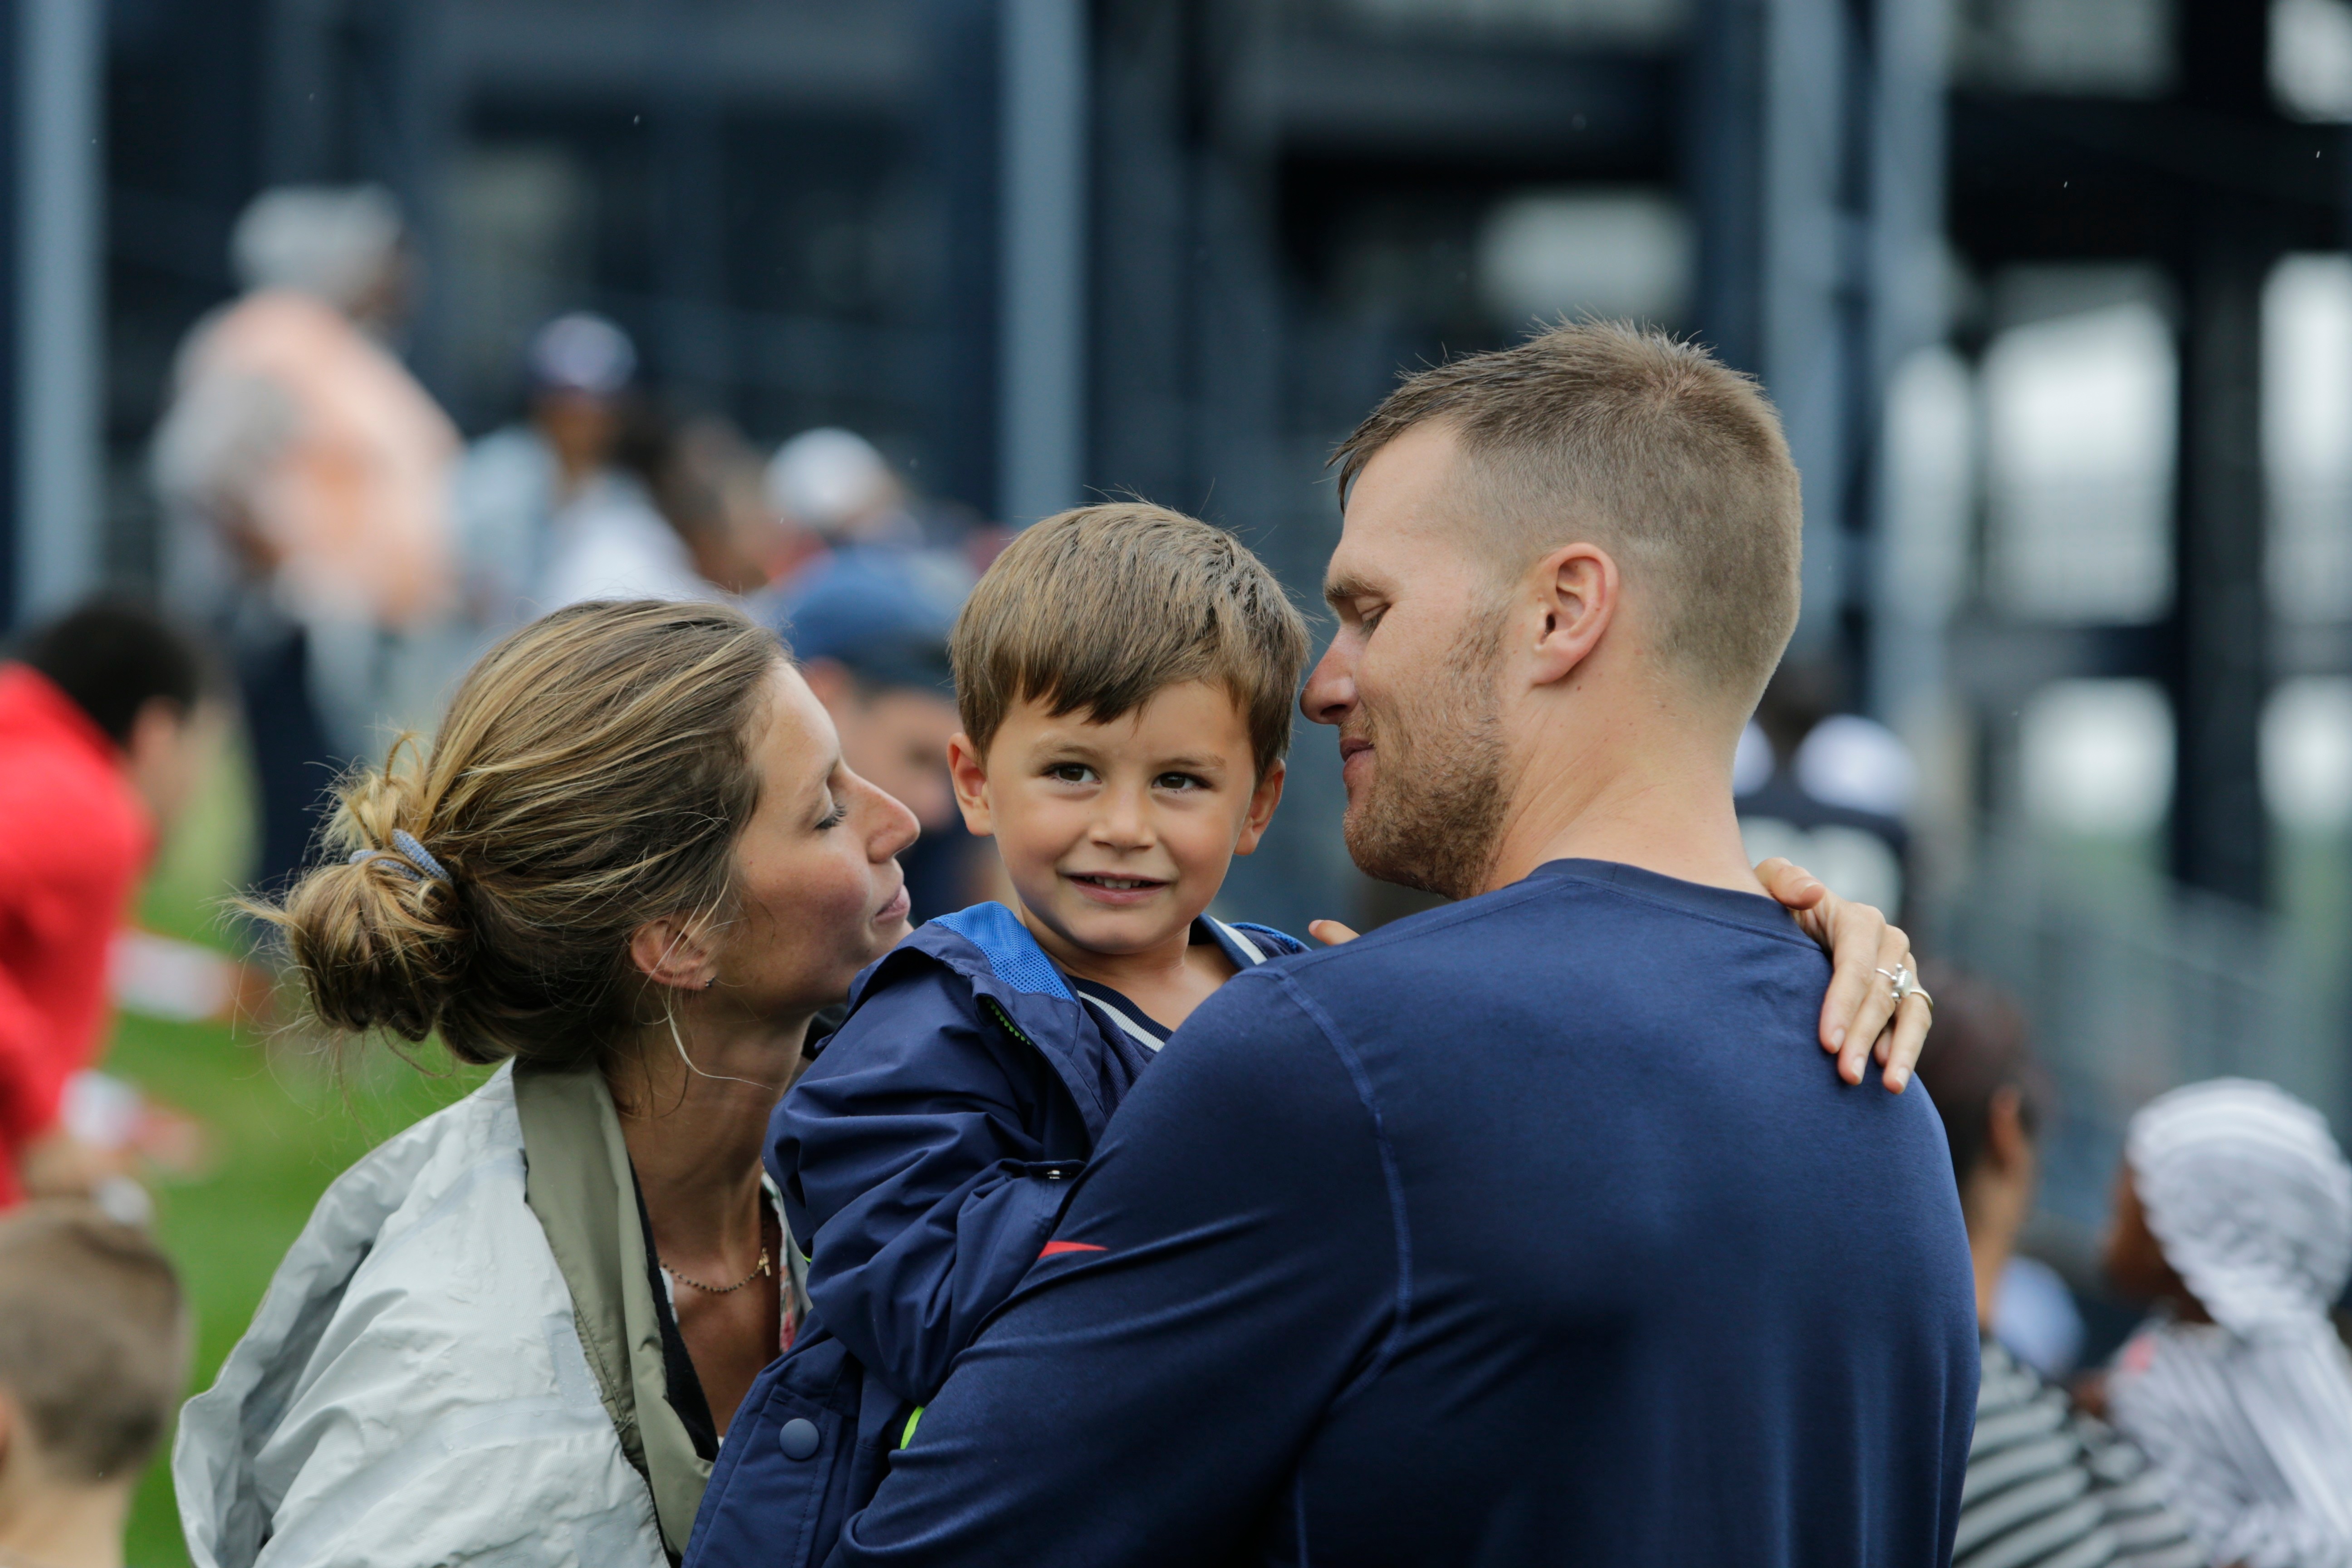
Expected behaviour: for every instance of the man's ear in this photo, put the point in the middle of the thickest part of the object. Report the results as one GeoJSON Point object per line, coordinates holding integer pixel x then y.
{"type": "Point", "coordinates": [1577, 588]}
{"type": "Point", "coordinates": [1262, 800]}
{"type": "Point", "coordinates": [678, 951]}
{"type": "Point", "coordinates": [968, 770]}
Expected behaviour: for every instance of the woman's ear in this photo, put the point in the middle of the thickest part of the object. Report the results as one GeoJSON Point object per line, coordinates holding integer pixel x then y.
{"type": "Point", "coordinates": [676, 951]}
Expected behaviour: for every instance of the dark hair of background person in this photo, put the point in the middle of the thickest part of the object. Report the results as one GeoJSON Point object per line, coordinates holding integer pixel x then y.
{"type": "Point", "coordinates": [594, 772]}
{"type": "Point", "coordinates": [113, 657]}
{"type": "Point", "coordinates": [93, 1337]}
{"type": "Point", "coordinates": [1102, 607]}
{"type": "Point", "coordinates": [1977, 1048]}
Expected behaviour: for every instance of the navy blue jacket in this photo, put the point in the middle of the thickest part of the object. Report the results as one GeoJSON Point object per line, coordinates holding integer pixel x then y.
{"type": "Point", "coordinates": [1536, 1230]}
{"type": "Point", "coordinates": [923, 1160]}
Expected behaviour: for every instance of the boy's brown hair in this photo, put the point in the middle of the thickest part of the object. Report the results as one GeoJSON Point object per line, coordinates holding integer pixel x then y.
{"type": "Point", "coordinates": [1099, 608]}
{"type": "Point", "coordinates": [93, 1337]}
{"type": "Point", "coordinates": [1647, 446]}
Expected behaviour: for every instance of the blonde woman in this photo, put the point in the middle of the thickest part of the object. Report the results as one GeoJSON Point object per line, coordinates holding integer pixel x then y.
{"type": "Point", "coordinates": [631, 868]}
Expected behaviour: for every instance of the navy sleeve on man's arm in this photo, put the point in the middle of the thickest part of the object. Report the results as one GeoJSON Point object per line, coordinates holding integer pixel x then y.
{"type": "Point", "coordinates": [1230, 1264]}
{"type": "Point", "coordinates": [906, 1163]}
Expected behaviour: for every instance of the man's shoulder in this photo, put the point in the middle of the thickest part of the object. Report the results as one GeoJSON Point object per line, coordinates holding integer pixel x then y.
{"type": "Point", "coordinates": [1570, 917]}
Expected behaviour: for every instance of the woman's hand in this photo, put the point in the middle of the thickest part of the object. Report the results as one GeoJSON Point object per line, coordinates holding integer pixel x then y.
{"type": "Point", "coordinates": [1859, 1018]}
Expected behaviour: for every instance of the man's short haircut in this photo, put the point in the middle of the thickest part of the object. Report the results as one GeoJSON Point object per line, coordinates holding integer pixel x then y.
{"type": "Point", "coordinates": [113, 657]}
{"type": "Point", "coordinates": [1647, 446]}
{"type": "Point", "coordinates": [93, 1337]}
{"type": "Point", "coordinates": [1100, 608]}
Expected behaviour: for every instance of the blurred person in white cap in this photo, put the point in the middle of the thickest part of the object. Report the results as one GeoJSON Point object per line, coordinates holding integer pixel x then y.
{"type": "Point", "coordinates": [835, 486]}
{"type": "Point", "coordinates": [547, 514]}
{"type": "Point", "coordinates": [307, 473]}
{"type": "Point", "coordinates": [2233, 1216]}
{"type": "Point", "coordinates": [834, 483]}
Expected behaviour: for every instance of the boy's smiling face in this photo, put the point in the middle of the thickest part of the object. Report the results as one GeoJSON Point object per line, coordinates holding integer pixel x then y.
{"type": "Point", "coordinates": [1117, 835]}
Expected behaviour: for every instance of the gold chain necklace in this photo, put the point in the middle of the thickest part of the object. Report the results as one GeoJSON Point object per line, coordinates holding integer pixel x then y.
{"type": "Point", "coordinates": [759, 1269]}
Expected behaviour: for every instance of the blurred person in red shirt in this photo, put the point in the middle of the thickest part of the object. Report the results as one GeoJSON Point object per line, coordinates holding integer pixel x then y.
{"type": "Point", "coordinates": [102, 729]}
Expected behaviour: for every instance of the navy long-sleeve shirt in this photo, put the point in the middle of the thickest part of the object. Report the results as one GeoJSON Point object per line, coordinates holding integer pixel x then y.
{"type": "Point", "coordinates": [1536, 1229]}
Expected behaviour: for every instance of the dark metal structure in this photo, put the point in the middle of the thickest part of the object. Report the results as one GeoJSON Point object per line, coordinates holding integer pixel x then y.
{"type": "Point", "coordinates": [804, 212]}
{"type": "Point", "coordinates": [2209, 182]}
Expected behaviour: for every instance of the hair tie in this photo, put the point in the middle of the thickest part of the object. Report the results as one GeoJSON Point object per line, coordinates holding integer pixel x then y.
{"type": "Point", "coordinates": [405, 843]}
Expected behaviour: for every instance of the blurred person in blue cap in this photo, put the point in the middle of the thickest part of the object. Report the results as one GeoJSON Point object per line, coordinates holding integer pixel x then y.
{"type": "Point", "coordinates": [837, 487]}
{"type": "Point", "coordinates": [547, 514]}
{"type": "Point", "coordinates": [305, 478]}
{"type": "Point", "coordinates": [873, 646]}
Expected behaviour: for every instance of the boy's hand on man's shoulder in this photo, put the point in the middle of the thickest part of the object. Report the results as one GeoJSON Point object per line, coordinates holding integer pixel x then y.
{"type": "Point", "coordinates": [1331, 933]}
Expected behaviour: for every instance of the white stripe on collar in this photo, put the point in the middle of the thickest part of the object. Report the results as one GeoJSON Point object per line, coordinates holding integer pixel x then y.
{"type": "Point", "coordinates": [1151, 1041]}
{"type": "Point", "coordinates": [1257, 954]}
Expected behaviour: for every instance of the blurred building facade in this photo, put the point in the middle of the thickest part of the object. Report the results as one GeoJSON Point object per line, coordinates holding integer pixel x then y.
{"type": "Point", "coordinates": [2054, 296]}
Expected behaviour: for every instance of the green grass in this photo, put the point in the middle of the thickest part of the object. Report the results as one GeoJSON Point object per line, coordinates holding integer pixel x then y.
{"type": "Point", "coordinates": [280, 1124]}
{"type": "Point", "coordinates": [280, 1129]}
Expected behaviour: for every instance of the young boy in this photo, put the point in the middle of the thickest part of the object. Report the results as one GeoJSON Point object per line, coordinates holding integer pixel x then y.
{"type": "Point", "coordinates": [2233, 1216]}
{"type": "Point", "coordinates": [1125, 677]}
{"type": "Point", "coordinates": [93, 1353]}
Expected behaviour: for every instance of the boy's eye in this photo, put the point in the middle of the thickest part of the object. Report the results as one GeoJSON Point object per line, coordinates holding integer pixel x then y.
{"type": "Point", "coordinates": [1178, 781]}
{"type": "Point", "coordinates": [1070, 773]}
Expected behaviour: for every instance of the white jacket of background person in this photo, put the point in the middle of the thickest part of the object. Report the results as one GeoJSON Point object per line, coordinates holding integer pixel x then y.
{"type": "Point", "coordinates": [525, 554]}
{"type": "Point", "coordinates": [414, 1389]}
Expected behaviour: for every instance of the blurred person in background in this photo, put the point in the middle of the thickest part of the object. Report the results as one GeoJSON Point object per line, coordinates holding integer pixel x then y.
{"type": "Point", "coordinates": [2233, 1218]}
{"type": "Point", "coordinates": [94, 1337]}
{"type": "Point", "coordinates": [833, 486]}
{"type": "Point", "coordinates": [1827, 788]}
{"type": "Point", "coordinates": [709, 482]}
{"type": "Point", "coordinates": [549, 514]}
{"type": "Point", "coordinates": [104, 728]}
{"type": "Point", "coordinates": [306, 474]}
{"type": "Point", "coordinates": [630, 869]}
{"type": "Point", "coordinates": [2046, 1485]}
{"type": "Point", "coordinates": [873, 648]}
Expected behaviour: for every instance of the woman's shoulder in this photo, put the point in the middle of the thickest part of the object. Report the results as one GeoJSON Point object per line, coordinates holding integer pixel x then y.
{"type": "Point", "coordinates": [416, 1169]}
{"type": "Point", "coordinates": [419, 1314]}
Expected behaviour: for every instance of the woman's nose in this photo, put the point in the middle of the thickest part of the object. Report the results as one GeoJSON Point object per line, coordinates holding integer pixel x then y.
{"type": "Point", "coordinates": [895, 827]}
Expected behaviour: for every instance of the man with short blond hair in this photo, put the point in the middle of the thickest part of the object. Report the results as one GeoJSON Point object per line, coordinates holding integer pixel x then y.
{"type": "Point", "coordinates": [1528, 1230]}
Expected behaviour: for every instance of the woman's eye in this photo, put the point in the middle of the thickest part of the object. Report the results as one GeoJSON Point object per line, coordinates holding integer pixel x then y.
{"type": "Point", "coordinates": [834, 818]}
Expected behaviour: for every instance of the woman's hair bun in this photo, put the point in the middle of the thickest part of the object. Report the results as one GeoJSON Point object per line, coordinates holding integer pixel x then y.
{"type": "Point", "coordinates": [376, 938]}
{"type": "Point", "coordinates": [593, 773]}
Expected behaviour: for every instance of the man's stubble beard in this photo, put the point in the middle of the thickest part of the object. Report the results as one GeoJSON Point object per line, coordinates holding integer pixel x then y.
{"type": "Point", "coordinates": [1431, 816]}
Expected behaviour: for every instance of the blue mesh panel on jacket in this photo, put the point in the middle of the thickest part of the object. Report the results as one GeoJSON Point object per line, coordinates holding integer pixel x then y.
{"type": "Point", "coordinates": [1012, 952]}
